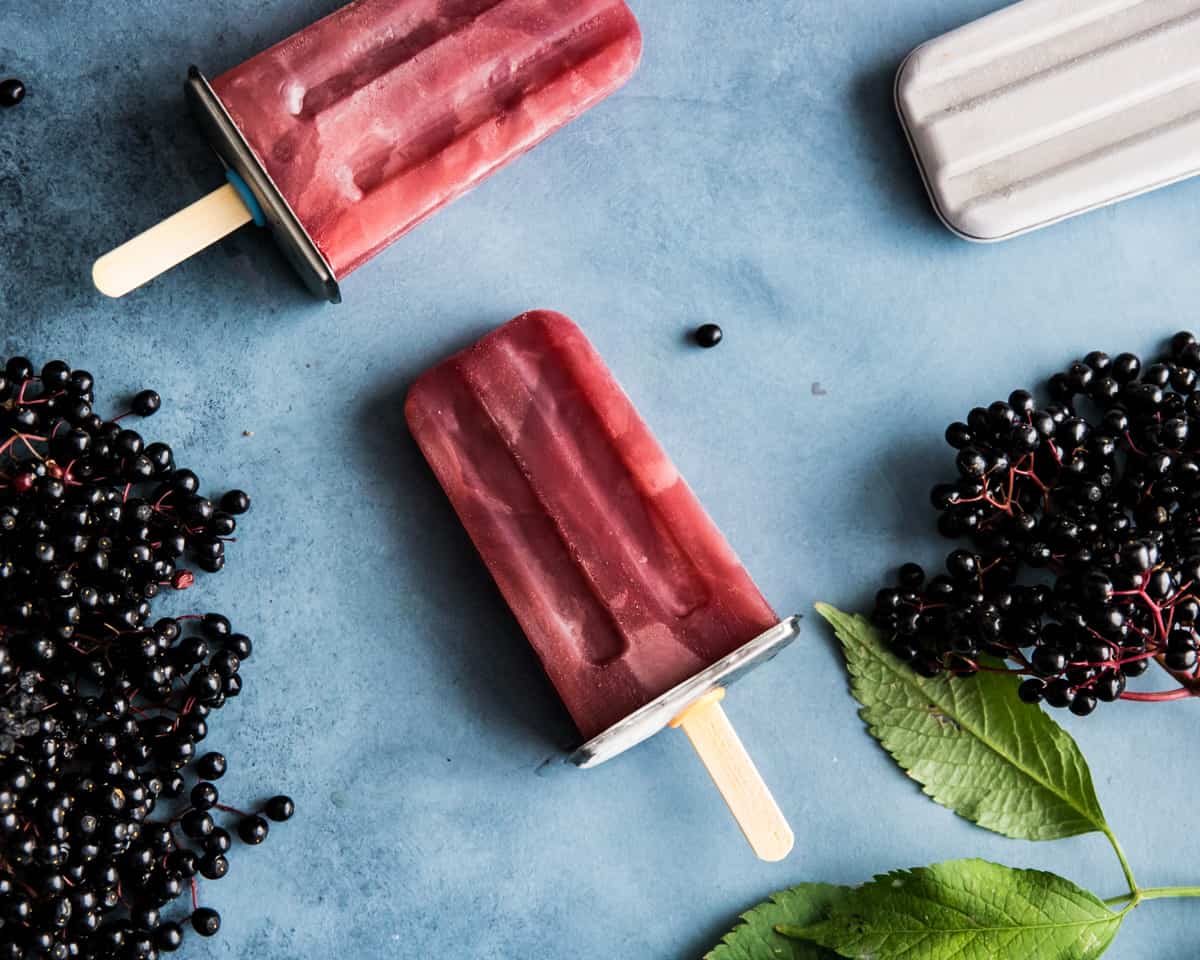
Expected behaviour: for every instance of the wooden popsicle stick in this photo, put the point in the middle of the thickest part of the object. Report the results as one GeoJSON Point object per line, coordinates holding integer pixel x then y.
{"type": "Point", "coordinates": [736, 777]}
{"type": "Point", "coordinates": [178, 237]}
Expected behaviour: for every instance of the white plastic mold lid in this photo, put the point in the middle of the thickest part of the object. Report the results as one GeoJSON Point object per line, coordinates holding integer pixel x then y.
{"type": "Point", "coordinates": [1050, 108]}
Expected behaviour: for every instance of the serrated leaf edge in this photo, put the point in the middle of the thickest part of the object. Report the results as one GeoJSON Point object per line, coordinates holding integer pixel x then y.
{"type": "Point", "coordinates": [813, 932]}
{"type": "Point", "coordinates": [843, 622]}
{"type": "Point", "coordinates": [775, 899]}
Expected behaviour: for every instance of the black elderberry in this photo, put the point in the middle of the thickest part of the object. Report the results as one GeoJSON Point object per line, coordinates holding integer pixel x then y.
{"type": "Point", "coordinates": [197, 824]}
{"type": "Point", "coordinates": [55, 375]}
{"type": "Point", "coordinates": [185, 481]}
{"type": "Point", "coordinates": [209, 548]}
{"type": "Point", "coordinates": [253, 830]}
{"type": "Point", "coordinates": [962, 565]}
{"type": "Point", "coordinates": [708, 335]}
{"type": "Point", "coordinates": [204, 796]}
{"type": "Point", "coordinates": [144, 917]}
{"type": "Point", "coordinates": [1048, 662]}
{"type": "Point", "coordinates": [211, 766]}
{"type": "Point", "coordinates": [972, 463]}
{"type": "Point", "coordinates": [1109, 686]}
{"type": "Point", "coordinates": [1180, 659]}
{"type": "Point", "coordinates": [160, 456]}
{"type": "Point", "coordinates": [215, 625]}
{"type": "Point", "coordinates": [213, 866]}
{"type": "Point", "coordinates": [206, 684]}
{"type": "Point", "coordinates": [169, 937]}
{"type": "Point", "coordinates": [1181, 342]}
{"type": "Point", "coordinates": [958, 435]}
{"type": "Point", "coordinates": [128, 443]}
{"type": "Point", "coordinates": [219, 841]}
{"type": "Point", "coordinates": [12, 92]}
{"type": "Point", "coordinates": [206, 921]}
{"type": "Point", "coordinates": [239, 645]}
{"type": "Point", "coordinates": [183, 862]}
{"type": "Point", "coordinates": [18, 369]}
{"type": "Point", "coordinates": [280, 808]}
{"type": "Point", "coordinates": [1059, 693]}
{"type": "Point", "coordinates": [146, 403]}
{"type": "Point", "coordinates": [912, 577]}
{"type": "Point", "coordinates": [1032, 690]}
{"type": "Point", "coordinates": [1126, 367]}
{"type": "Point", "coordinates": [236, 502]}
{"type": "Point", "coordinates": [226, 663]}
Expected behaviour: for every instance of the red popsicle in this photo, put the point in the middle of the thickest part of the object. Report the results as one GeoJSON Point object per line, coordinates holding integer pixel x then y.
{"type": "Point", "coordinates": [622, 583]}
{"type": "Point", "coordinates": [370, 120]}
{"type": "Point", "coordinates": [349, 133]}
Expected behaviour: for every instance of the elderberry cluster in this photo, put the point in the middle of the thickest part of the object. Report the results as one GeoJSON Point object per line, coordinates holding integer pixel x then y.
{"type": "Point", "coordinates": [1093, 501]}
{"type": "Point", "coordinates": [102, 707]}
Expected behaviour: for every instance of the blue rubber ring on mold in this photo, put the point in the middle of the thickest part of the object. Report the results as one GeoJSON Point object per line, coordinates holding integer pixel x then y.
{"type": "Point", "coordinates": [247, 197]}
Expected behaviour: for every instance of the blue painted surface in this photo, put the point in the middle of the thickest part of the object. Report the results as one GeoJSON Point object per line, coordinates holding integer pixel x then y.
{"type": "Point", "coordinates": [753, 174]}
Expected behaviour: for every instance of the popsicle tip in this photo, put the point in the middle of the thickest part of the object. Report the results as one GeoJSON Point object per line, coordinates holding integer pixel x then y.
{"type": "Point", "coordinates": [780, 844]}
{"type": "Point", "coordinates": [103, 279]}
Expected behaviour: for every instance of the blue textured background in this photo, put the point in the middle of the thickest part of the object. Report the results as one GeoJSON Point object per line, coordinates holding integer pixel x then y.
{"type": "Point", "coordinates": [753, 174]}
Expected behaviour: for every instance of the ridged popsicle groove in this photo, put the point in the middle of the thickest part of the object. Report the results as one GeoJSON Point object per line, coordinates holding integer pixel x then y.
{"type": "Point", "coordinates": [604, 507]}
{"type": "Point", "coordinates": [392, 55]}
{"type": "Point", "coordinates": [1004, 87]}
{"type": "Point", "coordinates": [1016, 43]}
{"type": "Point", "coordinates": [600, 637]}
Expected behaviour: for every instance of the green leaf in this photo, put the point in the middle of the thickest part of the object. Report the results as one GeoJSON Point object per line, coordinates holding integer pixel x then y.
{"type": "Point", "coordinates": [971, 743]}
{"type": "Point", "coordinates": [966, 910]}
{"type": "Point", "coordinates": [755, 937]}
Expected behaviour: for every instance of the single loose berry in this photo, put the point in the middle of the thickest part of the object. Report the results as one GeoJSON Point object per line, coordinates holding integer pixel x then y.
{"type": "Point", "coordinates": [709, 335]}
{"type": "Point", "coordinates": [147, 403]}
{"type": "Point", "coordinates": [12, 92]}
{"type": "Point", "coordinates": [280, 808]}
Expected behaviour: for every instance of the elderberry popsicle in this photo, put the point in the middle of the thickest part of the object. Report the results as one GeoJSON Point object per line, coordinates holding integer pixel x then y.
{"type": "Point", "coordinates": [633, 600]}
{"type": "Point", "coordinates": [349, 133]}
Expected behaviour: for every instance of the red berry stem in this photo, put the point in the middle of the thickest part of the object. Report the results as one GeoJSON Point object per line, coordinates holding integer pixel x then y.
{"type": "Point", "coordinates": [1161, 696]}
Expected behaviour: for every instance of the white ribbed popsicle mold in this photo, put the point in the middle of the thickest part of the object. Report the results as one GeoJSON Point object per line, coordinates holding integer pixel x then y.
{"type": "Point", "coordinates": [1049, 108]}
